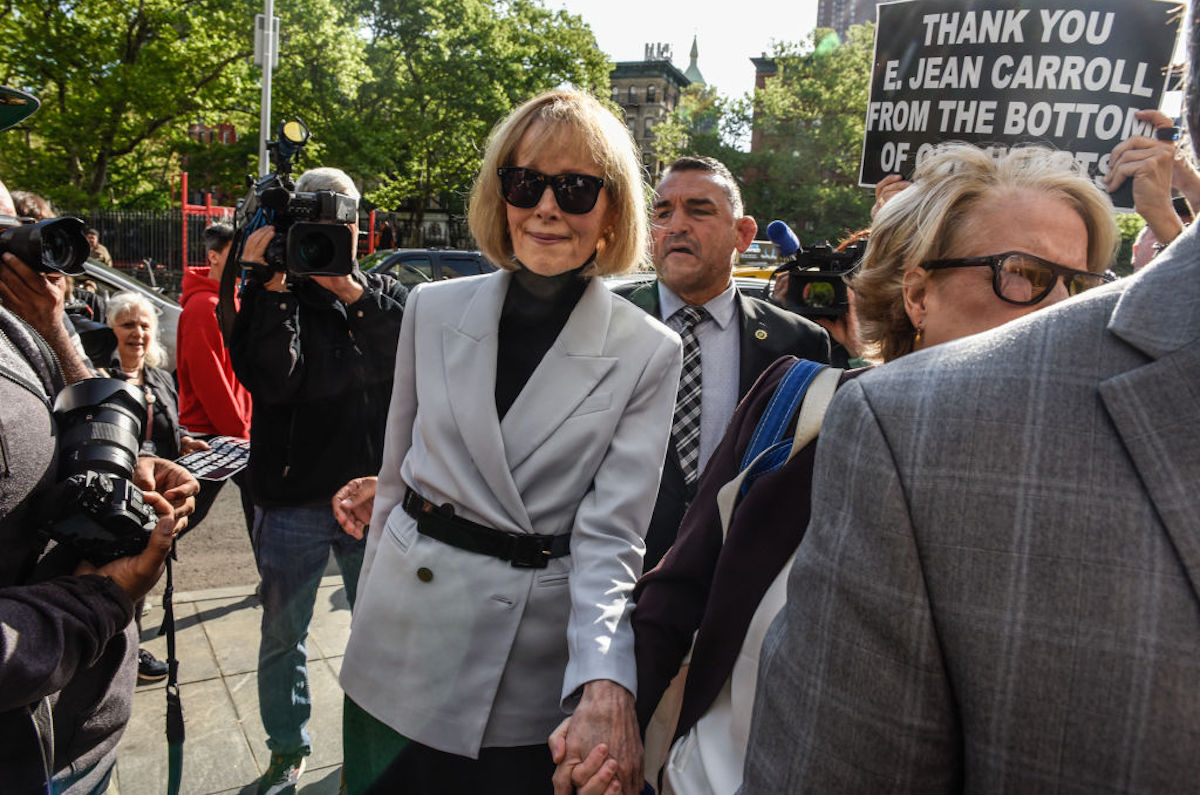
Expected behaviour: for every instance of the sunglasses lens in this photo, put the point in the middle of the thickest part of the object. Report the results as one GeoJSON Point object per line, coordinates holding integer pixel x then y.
{"type": "Point", "coordinates": [1024, 280]}
{"type": "Point", "coordinates": [577, 193]}
{"type": "Point", "coordinates": [522, 187]}
{"type": "Point", "coordinates": [1083, 281]}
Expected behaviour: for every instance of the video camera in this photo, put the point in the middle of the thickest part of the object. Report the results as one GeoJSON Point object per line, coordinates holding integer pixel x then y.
{"type": "Point", "coordinates": [95, 508]}
{"type": "Point", "coordinates": [816, 274]}
{"type": "Point", "coordinates": [53, 245]}
{"type": "Point", "coordinates": [312, 233]}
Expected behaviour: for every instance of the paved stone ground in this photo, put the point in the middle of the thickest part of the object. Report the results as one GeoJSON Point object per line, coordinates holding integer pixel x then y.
{"type": "Point", "coordinates": [225, 748]}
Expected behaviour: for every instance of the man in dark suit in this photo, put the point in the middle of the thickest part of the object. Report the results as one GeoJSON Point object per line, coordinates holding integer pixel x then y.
{"type": "Point", "coordinates": [698, 228]}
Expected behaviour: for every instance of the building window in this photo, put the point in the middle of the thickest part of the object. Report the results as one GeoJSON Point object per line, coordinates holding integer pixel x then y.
{"type": "Point", "coordinates": [649, 128]}
{"type": "Point", "coordinates": [633, 95]}
{"type": "Point", "coordinates": [651, 94]}
{"type": "Point", "coordinates": [631, 123]}
{"type": "Point", "coordinates": [616, 97]}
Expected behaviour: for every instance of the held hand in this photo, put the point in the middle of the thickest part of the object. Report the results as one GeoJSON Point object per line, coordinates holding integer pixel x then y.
{"type": "Point", "coordinates": [595, 775]}
{"type": "Point", "coordinates": [605, 715]}
{"type": "Point", "coordinates": [255, 252]}
{"type": "Point", "coordinates": [170, 480]}
{"type": "Point", "coordinates": [136, 574]}
{"type": "Point", "coordinates": [344, 287]}
{"type": "Point", "coordinates": [353, 503]}
{"type": "Point", "coordinates": [190, 445]}
{"type": "Point", "coordinates": [887, 188]}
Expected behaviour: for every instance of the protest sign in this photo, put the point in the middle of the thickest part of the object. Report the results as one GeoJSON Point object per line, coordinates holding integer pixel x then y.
{"type": "Point", "coordinates": [1066, 73]}
{"type": "Point", "coordinates": [226, 456]}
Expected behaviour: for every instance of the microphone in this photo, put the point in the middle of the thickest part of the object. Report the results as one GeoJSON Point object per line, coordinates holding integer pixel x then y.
{"type": "Point", "coordinates": [784, 239]}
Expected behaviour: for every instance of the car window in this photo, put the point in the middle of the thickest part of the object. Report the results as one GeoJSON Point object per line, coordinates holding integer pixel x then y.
{"type": "Point", "coordinates": [453, 267]}
{"type": "Point", "coordinates": [409, 275]}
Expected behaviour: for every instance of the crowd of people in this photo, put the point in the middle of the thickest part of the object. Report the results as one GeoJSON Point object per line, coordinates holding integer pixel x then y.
{"type": "Point", "coordinates": [646, 538]}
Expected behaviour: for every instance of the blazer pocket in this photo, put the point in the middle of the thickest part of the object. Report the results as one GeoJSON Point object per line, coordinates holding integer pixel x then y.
{"type": "Point", "coordinates": [550, 580]}
{"type": "Point", "coordinates": [593, 403]}
{"type": "Point", "coordinates": [401, 527]}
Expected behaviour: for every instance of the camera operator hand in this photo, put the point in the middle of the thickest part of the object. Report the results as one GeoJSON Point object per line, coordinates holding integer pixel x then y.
{"type": "Point", "coordinates": [137, 574]}
{"type": "Point", "coordinates": [173, 482]}
{"type": "Point", "coordinates": [37, 298]}
{"type": "Point", "coordinates": [254, 252]}
{"type": "Point", "coordinates": [844, 328]}
{"type": "Point", "coordinates": [344, 287]}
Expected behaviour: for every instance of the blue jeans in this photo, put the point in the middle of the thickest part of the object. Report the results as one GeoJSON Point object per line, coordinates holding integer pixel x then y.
{"type": "Point", "coordinates": [292, 545]}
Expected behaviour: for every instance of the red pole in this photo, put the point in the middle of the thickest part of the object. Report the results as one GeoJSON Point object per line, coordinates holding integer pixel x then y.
{"type": "Point", "coordinates": [183, 208]}
{"type": "Point", "coordinates": [371, 233]}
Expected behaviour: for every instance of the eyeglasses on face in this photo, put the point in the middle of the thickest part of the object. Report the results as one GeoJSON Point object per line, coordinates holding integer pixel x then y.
{"type": "Point", "coordinates": [1024, 279]}
{"type": "Point", "coordinates": [575, 193]}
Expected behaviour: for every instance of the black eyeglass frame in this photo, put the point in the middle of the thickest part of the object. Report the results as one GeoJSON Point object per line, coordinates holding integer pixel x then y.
{"type": "Point", "coordinates": [557, 184]}
{"type": "Point", "coordinates": [996, 261]}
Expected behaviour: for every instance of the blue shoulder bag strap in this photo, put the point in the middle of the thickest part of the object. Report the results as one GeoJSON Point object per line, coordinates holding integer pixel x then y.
{"type": "Point", "coordinates": [769, 445]}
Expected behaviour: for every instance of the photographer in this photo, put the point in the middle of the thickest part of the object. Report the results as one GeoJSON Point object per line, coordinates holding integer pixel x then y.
{"type": "Point", "coordinates": [317, 354]}
{"type": "Point", "coordinates": [67, 642]}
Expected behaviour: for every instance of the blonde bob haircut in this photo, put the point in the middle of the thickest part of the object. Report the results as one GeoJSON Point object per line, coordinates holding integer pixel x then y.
{"type": "Point", "coordinates": [121, 306]}
{"type": "Point", "coordinates": [928, 220]}
{"type": "Point", "coordinates": [574, 119]}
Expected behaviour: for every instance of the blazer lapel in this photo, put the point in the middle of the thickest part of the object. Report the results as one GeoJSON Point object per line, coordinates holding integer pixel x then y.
{"type": "Point", "coordinates": [470, 351]}
{"type": "Point", "coordinates": [756, 346]}
{"type": "Point", "coordinates": [566, 375]}
{"type": "Point", "coordinates": [1156, 407]}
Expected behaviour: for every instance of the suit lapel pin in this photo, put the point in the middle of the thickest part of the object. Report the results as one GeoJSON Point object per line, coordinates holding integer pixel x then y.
{"type": "Point", "coordinates": [761, 334]}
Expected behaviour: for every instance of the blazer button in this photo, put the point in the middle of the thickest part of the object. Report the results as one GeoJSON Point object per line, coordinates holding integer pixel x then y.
{"type": "Point", "coordinates": [424, 574]}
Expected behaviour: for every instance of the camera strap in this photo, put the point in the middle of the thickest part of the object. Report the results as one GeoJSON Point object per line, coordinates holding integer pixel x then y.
{"type": "Point", "coordinates": [226, 308]}
{"type": "Point", "coordinates": [175, 731]}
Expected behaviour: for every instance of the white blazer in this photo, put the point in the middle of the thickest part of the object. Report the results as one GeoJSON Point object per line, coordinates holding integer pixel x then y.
{"type": "Point", "coordinates": [482, 653]}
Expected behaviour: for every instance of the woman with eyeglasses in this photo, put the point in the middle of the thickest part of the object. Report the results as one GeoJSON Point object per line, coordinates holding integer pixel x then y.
{"type": "Point", "coordinates": [975, 242]}
{"type": "Point", "coordinates": [526, 436]}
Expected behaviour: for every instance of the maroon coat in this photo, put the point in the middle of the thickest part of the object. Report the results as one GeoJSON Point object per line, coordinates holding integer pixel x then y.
{"type": "Point", "coordinates": [713, 587]}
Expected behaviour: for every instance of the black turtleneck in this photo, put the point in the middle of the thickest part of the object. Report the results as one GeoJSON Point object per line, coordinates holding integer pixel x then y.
{"type": "Point", "coordinates": [535, 310]}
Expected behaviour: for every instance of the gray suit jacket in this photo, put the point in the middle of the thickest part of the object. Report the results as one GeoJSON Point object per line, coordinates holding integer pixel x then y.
{"type": "Point", "coordinates": [998, 590]}
{"type": "Point", "coordinates": [482, 653]}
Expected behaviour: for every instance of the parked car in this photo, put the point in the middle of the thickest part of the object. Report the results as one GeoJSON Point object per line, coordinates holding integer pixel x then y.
{"type": "Point", "coordinates": [110, 280]}
{"type": "Point", "coordinates": [413, 266]}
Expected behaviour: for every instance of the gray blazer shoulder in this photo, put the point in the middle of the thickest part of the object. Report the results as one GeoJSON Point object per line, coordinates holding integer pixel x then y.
{"type": "Point", "coordinates": [999, 586]}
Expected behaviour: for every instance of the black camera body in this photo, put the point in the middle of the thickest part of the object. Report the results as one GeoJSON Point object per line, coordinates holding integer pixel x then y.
{"type": "Point", "coordinates": [95, 508]}
{"type": "Point", "coordinates": [312, 230]}
{"type": "Point", "coordinates": [816, 284]}
{"type": "Point", "coordinates": [55, 245]}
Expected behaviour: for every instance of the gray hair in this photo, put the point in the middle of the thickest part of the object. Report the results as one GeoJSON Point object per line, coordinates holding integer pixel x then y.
{"type": "Point", "coordinates": [327, 178]}
{"type": "Point", "coordinates": [122, 304]}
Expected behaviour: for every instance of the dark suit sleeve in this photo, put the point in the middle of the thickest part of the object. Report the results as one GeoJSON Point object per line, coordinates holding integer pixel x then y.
{"type": "Point", "coordinates": [672, 598]}
{"type": "Point", "coordinates": [853, 694]}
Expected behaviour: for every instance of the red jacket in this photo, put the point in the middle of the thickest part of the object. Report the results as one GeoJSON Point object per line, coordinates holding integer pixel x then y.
{"type": "Point", "coordinates": [211, 400]}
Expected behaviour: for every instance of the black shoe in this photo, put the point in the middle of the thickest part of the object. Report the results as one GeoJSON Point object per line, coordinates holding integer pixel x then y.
{"type": "Point", "coordinates": [150, 669]}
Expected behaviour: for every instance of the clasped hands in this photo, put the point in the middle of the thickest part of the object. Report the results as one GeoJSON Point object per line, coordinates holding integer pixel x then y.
{"type": "Point", "coordinates": [598, 749]}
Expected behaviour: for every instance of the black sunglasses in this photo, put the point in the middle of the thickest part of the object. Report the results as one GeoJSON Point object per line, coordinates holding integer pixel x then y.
{"type": "Point", "coordinates": [575, 193]}
{"type": "Point", "coordinates": [1024, 279]}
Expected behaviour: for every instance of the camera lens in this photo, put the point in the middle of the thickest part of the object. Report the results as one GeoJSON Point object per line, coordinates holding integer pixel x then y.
{"type": "Point", "coordinates": [315, 251]}
{"type": "Point", "coordinates": [101, 421]}
{"type": "Point", "coordinates": [58, 249]}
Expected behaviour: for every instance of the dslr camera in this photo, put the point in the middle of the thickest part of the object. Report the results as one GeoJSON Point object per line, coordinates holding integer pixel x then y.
{"type": "Point", "coordinates": [312, 230]}
{"type": "Point", "coordinates": [53, 245]}
{"type": "Point", "coordinates": [94, 508]}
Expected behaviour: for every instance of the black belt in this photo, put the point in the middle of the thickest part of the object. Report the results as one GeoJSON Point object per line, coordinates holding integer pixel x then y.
{"type": "Point", "coordinates": [522, 550]}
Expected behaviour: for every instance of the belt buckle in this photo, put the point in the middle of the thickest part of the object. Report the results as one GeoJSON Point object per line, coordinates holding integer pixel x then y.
{"type": "Point", "coordinates": [529, 551]}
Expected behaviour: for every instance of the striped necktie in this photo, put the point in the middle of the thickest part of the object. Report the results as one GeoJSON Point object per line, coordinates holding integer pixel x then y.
{"type": "Point", "coordinates": [685, 430]}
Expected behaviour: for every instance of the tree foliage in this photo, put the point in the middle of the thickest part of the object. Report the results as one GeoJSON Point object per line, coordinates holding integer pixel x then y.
{"type": "Point", "coordinates": [705, 123]}
{"type": "Point", "coordinates": [444, 72]}
{"type": "Point", "coordinates": [399, 93]}
{"type": "Point", "coordinates": [808, 133]}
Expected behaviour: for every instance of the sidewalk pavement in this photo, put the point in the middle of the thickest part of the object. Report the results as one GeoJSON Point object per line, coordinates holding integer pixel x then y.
{"type": "Point", "coordinates": [225, 749]}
